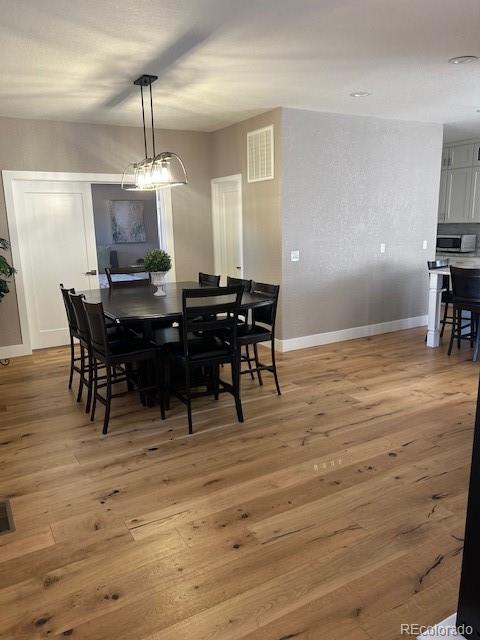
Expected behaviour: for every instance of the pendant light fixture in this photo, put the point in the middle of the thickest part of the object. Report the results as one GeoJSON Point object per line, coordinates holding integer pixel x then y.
{"type": "Point", "coordinates": [157, 171]}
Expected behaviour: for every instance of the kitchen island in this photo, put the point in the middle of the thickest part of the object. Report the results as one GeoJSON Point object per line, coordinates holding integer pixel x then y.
{"type": "Point", "coordinates": [436, 288]}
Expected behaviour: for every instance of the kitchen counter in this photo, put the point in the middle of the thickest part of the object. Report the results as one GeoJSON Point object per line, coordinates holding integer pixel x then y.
{"type": "Point", "coordinates": [460, 260]}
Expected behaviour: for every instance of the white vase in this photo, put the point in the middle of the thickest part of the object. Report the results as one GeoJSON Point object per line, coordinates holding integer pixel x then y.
{"type": "Point", "coordinates": [158, 280]}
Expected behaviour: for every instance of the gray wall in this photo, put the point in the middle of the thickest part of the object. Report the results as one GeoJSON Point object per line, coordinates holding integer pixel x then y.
{"type": "Point", "coordinates": [261, 200]}
{"type": "Point", "coordinates": [127, 253]}
{"type": "Point", "coordinates": [37, 145]}
{"type": "Point", "coordinates": [350, 183]}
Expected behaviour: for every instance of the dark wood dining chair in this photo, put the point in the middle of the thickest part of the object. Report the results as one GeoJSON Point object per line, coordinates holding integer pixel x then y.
{"type": "Point", "coordinates": [262, 329]}
{"type": "Point", "coordinates": [116, 355]}
{"type": "Point", "coordinates": [207, 280]}
{"type": "Point", "coordinates": [126, 271]}
{"type": "Point", "coordinates": [466, 297]}
{"type": "Point", "coordinates": [73, 332]}
{"type": "Point", "coordinates": [447, 296]}
{"type": "Point", "coordinates": [206, 313]}
{"type": "Point", "coordinates": [243, 318]}
{"type": "Point", "coordinates": [86, 364]}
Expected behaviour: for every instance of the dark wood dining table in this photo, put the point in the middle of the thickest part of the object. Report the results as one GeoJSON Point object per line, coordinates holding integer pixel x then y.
{"type": "Point", "coordinates": [138, 304]}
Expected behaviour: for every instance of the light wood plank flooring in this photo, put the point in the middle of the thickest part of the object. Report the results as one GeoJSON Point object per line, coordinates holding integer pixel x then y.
{"type": "Point", "coordinates": [335, 511]}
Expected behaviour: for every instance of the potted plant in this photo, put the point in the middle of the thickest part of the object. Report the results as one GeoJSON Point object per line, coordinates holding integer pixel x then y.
{"type": "Point", "coordinates": [6, 270]}
{"type": "Point", "coordinates": [158, 263]}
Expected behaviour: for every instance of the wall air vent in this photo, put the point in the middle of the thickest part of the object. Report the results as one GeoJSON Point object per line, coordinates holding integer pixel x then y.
{"type": "Point", "coordinates": [260, 154]}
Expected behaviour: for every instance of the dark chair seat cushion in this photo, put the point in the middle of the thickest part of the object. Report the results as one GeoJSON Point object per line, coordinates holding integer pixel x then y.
{"type": "Point", "coordinates": [252, 334]}
{"type": "Point", "coordinates": [130, 348]}
{"type": "Point", "coordinates": [199, 349]}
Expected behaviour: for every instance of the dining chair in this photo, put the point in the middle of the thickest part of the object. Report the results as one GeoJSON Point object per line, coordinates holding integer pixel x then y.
{"type": "Point", "coordinates": [447, 296]}
{"type": "Point", "coordinates": [243, 318]}
{"type": "Point", "coordinates": [466, 297]}
{"type": "Point", "coordinates": [116, 355]}
{"type": "Point", "coordinates": [72, 330]}
{"type": "Point", "coordinates": [207, 280]}
{"type": "Point", "coordinates": [128, 282]}
{"type": "Point", "coordinates": [262, 329]}
{"type": "Point", "coordinates": [206, 313]}
{"type": "Point", "coordinates": [86, 360]}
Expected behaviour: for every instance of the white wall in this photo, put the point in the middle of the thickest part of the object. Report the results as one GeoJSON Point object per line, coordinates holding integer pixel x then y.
{"type": "Point", "coordinates": [350, 183]}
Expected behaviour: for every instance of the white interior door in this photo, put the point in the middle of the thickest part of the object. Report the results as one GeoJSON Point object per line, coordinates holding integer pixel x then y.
{"type": "Point", "coordinates": [227, 225]}
{"type": "Point", "coordinates": [57, 244]}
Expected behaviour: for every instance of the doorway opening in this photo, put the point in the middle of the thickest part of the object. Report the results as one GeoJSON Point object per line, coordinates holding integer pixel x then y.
{"type": "Point", "coordinates": [227, 225]}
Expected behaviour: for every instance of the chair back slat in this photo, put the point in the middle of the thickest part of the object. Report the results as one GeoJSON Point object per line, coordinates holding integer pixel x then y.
{"type": "Point", "coordinates": [207, 280]}
{"type": "Point", "coordinates": [200, 309]}
{"type": "Point", "coordinates": [80, 315]}
{"type": "Point", "coordinates": [266, 315]}
{"type": "Point", "coordinates": [97, 326]}
{"type": "Point", "coordinates": [465, 285]}
{"type": "Point", "coordinates": [127, 271]}
{"type": "Point", "coordinates": [72, 322]}
{"type": "Point", "coordinates": [236, 282]}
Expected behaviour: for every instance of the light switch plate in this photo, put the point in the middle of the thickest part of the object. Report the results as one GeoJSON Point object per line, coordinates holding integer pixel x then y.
{"type": "Point", "coordinates": [382, 247]}
{"type": "Point", "coordinates": [424, 244]}
{"type": "Point", "coordinates": [294, 256]}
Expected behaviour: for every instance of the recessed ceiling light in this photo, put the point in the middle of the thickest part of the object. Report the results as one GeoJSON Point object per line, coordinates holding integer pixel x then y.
{"type": "Point", "coordinates": [360, 94]}
{"type": "Point", "coordinates": [462, 59]}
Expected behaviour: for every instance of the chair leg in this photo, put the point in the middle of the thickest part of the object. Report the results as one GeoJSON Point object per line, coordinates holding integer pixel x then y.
{"type": "Point", "coordinates": [72, 356]}
{"type": "Point", "coordinates": [95, 387]}
{"type": "Point", "coordinates": [247, 349]}
{"type": "Point", "coordinates": [189, 400]}
{"type": "Point", "coordinates": [274, 365]}
{"type": "Point", "coordinates": [216, 381]}
{"type": "Point", "coordinates": [459, 329]}
{"type": "Point", "coordinates": [160, 382]}
{"type": "Point", "coordinates": [167, 384]}
{"type": "Point", "coordinates": [108, 400]}
{"type": "Point", "coordinates": [90, 381]}
{"type": "Point", "coordinates": [82, 373]}
{"type": "Point", "coordinates": [452, 335]}
{"type": "Point", "coordinates": [257, 364]}
{"type": "Point", "coordinates": [236, 386]}
{"type": "Point", "coordinates": [477, 339]}
{"type": "Point", "coordinates": [445, 313]}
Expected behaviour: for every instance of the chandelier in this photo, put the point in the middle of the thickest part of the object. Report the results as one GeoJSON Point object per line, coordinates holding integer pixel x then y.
{"type": "Point", "coordinates": [165, 169]}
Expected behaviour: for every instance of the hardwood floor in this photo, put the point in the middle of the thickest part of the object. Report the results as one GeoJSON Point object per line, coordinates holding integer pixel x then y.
{"type": "Point", "coordinates": [335, 511]}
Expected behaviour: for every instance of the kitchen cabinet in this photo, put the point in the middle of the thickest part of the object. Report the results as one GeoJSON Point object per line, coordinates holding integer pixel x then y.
{"type": "Point", "coordinates": [442, 201]}
{"type": "Point", "coordinates": [461, 156]}
{"type": "Point", "coordinates": [476, 154]}
{"type": "Point", "coordinates": [475, 199]}
{"type": "Point", "coordinates": [458, 195]}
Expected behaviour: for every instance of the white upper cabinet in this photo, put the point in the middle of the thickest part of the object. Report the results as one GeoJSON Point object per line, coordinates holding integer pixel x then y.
{"type": "Point", "coordinates": [461, 156]}
{"type": "Point", "coordinates": [475, 199]}
{"type": "Point", "coordinates": [476, 154]}
{"type": "Point", "coordinates": [442, 201]}
{"type": "Point", "coordinates": [458, 197]}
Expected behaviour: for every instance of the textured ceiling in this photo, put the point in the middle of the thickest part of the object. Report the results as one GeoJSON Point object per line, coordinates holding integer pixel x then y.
{"type": "Point", "coordinates": [220, 61]}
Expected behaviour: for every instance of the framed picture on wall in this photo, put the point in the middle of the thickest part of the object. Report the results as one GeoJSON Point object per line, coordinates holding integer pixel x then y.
{"type": "Point", "coordinates": [126, 217]}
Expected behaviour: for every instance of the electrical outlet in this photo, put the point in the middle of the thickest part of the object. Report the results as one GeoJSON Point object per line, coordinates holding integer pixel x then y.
{"type": "Point", "coordinates": [424, 244]}
{"type": "Point", "coordinates": [294, 256]}
{"type": "Point", "coordinates": [382, 247]}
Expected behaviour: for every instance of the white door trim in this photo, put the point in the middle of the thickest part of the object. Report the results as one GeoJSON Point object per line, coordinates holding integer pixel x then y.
{"type": "Point", "coordinates": [9, 178]}
{"type": "Point", "coordinates": [237, 177]}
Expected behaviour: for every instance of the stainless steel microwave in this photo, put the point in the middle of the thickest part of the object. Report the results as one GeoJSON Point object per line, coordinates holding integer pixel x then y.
{"type": "Point", "coordinates": [457, 244]}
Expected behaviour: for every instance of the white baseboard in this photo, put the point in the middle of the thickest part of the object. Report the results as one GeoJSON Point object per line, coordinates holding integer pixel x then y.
{"type": "Point", "coordinates": [14, 351]}
{"type": "Point", "coordinates": [303, 342]}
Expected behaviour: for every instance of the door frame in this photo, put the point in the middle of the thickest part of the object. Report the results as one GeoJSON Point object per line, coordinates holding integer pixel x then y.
{"type": "Point", "coordinates": [237, 177]}
{"type": "Point", "coordinates": [10, 178]}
